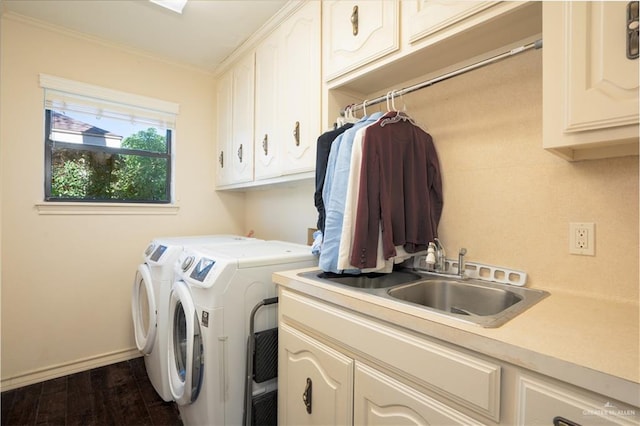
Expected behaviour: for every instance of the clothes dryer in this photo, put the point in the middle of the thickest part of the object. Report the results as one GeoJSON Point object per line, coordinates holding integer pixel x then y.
{"type": "Point", "coordinates": [150, 300]}
{"type": "Point", "coordinates": [209, 316]}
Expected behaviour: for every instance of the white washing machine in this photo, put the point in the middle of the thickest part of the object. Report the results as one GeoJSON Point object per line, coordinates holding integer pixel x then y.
{"type": "Point", "coordinates": [150, 300]}
{"type": "Point", "coordinates": [211, 301]}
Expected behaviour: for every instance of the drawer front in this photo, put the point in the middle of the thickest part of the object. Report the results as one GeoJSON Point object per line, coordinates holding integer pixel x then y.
{"type": "Point", "coordinates": [541, 403]}
{"type": "Point", "coordinates": [467, 380]}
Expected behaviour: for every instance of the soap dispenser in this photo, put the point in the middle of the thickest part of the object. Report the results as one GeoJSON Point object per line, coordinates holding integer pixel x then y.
{"type": "Point", "coordinates": [431, 257]}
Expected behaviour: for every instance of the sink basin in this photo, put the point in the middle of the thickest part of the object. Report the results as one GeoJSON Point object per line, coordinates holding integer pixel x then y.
{"type": "Point", "coordinates": [483, 303]}
{"type": "Point", "coordinates": [366, 281]}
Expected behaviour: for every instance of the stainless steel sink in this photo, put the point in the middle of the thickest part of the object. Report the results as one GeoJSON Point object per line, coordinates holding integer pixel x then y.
{"type": "Point", "coordinates": [366, 281]}
{"type": "Point", "coordinates": [457, 297]}
{"type": "Point", "coordinates": [483, 303]}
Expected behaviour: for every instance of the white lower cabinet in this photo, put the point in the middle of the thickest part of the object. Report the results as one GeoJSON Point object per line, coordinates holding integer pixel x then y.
{"type": "Point", "coordinates": [544, 403]}
{"type": "Point", "coordinates": [354, 369]}
{"type": "Point", "coordinates": [321, 386]}
{"type": "Point", "coordinates": [366, 373]}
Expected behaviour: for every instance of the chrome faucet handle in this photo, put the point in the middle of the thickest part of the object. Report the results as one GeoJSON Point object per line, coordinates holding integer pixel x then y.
{"type": "Point", "coordinates": [441, 256]}
{"type": "Point", "coordinates": [461, 266]}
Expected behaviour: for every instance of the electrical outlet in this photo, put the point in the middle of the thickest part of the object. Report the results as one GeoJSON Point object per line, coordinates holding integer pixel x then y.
{"type": "Point", "coordinates": [582, 238]}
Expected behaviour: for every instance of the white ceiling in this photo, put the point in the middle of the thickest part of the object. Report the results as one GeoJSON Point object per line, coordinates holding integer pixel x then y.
{"type": "Point", "coordinates": [203, 35]}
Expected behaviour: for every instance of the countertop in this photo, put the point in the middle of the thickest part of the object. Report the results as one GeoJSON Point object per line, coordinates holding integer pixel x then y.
{"type": "Point", "coordinates": [591, 343]}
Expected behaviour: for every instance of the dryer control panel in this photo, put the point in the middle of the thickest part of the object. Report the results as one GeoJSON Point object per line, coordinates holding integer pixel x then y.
{"type": "Point", "coordinates": [202, 268]}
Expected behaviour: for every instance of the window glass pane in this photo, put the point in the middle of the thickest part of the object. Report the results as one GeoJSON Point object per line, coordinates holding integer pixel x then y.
{"type": "Point", "coordinates": [89, 129]}
{"type": "Point", "coordinates": [89, 174]}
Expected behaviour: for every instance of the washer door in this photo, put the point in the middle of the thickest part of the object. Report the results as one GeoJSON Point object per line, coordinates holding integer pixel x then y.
{"type": "Point", "coordinates": [143, 309]}
{"type": "Point", "coordinates": [185, 346]}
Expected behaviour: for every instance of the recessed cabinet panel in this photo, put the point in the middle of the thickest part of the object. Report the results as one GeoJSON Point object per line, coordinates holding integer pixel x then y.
{"type": "Point", "coordinates": [268, 134]}
{"type": "Point", "coordinates": [422, 18]}
{"type": "Point", "coordinates": [599, 72]}
{"type": "Point", "coordinates": [590, 87]}
{"type": "Point", "coordinates": [543, 403]}
{"type": "Point", "coordinates": [358, 32]}
{"type": "Point", "coordinates": [301, 89]}
{"type": "Point", "coordinates": [382, 400]}
{"type": "Point", "coordinates": [242, 121]}
{"type": "Point", "coordinates": [315, 382]}
{"type": "Point", "coordinates": [223, 129]}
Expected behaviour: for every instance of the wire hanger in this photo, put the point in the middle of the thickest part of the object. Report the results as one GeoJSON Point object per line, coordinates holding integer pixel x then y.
{"type": "Point", "coordinates": [400, 115]}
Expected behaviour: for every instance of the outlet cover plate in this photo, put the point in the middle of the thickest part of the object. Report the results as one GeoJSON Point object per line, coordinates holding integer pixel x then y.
{"type": "Point", "coordinates": [582, 238]}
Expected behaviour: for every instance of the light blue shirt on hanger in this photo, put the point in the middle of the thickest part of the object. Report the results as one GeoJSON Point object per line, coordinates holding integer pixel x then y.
{"type": "Point", "coordinates": [334, 194]}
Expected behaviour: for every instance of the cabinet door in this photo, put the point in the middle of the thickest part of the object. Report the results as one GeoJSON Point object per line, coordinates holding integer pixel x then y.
{"type": "Point", "coordinates": [268, 120]}
{"type": "Point", "coordinates": [301, 89]}
{"type": "Point", "coordinates": [422, 18]}
{"type": "Point", "coordinates": [223, 129]}
{"type": "Point", "coordinates": [242, 120]}
{"type": "Point", "coordinates": [543, 403]}
{"type": "Point", "coordinates": [309, 370]}
{"type": "Point", "coordinates": [356, 33]}
{"type": "Point", "coordinates": [590, 86]}
{"type": "Point", "coordinates": [382, 400]}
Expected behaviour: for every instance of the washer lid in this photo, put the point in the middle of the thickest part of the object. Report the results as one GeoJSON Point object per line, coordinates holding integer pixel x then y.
{"type": "Point", "coordinates": [143, 310]}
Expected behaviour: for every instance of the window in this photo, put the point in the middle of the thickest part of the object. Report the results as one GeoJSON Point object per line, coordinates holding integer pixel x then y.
{"type": "Point", "coordinates": [106, 146]}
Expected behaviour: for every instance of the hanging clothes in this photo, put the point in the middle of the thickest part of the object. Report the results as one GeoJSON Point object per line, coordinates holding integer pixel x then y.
{"type": "Point", "coordinates": [334, 194]}
{"type": "Point", "coordinates": [400, 192]}
{"type": "Point", "coordinates": [323, 148]}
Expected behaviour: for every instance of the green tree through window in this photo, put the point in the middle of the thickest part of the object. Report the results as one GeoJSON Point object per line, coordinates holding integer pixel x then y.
{"type": "Point", "coordinates": [82, 166]}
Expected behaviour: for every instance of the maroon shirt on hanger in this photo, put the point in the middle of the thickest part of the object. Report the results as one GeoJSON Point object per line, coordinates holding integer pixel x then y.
{"type": "Point", "coordinates": [400, 189]}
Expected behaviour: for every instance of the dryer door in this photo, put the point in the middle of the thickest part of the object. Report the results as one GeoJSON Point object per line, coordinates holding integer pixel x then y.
{"type": "Point", "coordinates": [143, 309]}
{"type": "Point", "coordinates": [185, 346]}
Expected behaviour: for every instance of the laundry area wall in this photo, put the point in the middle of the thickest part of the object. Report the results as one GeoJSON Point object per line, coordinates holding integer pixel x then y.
{"type": "Point", "coordinates": [508, 201]}
{"type": "Point", "coordinates": [67, 279]}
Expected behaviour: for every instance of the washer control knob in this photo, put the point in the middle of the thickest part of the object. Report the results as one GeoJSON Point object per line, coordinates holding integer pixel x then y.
{"type": "Point", "coordinates": [149, 249]}
{"type": "Point", "coordinates": [186, 263]}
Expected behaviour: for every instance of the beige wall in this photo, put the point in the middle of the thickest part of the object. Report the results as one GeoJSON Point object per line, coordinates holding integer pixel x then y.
{"type": "Point", "coordinates": [507, 200]}
{"type": "Point", "coordinates": [66, 279]}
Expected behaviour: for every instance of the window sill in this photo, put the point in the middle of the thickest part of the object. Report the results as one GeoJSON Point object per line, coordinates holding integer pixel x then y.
{"type": "Point", "coordinates": [62, 208]}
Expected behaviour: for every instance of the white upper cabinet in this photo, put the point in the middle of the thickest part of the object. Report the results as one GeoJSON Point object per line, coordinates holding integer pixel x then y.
{"type": "Point", "coordinates": [268, 135]}
{"type": "Point", "coordinates": [423, 18]}
{"type": "Point", "coordinates": [301, 88]}
{"type": "Point", "coordinates": [356, 33]}
{"type": "Point", "coordinates": [590, 101]}
{"type": "Point", "coordinates": [241, 158]}
{"type": "Point", "coordinates": [223, 128]}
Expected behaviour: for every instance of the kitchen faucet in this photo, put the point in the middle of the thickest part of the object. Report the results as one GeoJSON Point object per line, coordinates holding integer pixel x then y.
{"type": "Point", "coordinates": [441, 260]}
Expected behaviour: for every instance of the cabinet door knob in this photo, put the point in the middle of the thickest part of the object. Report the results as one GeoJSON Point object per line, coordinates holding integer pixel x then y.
{"type": "Point", "coordinates": [296, 133]}
{"type": "Point", "coordinates": [221, 159]}
{"type": "Point", "coordinates": [265, 144]}
{"type": "Point", "coordinates": [632, 29]}
{"type": "Point", "coordinates": [354, 20]}
{"type": "Point", "coordinates": [240, 153]}
{"type": "Point", "coordinates": [306, 395]}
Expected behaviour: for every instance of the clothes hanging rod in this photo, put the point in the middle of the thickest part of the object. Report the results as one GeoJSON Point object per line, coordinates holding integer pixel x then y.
{"type": "Point", "coordinates": [516, 51]}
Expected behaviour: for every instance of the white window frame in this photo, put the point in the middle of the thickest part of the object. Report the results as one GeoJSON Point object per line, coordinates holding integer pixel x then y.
{"type": "Point", "coordinates": [162, 112]}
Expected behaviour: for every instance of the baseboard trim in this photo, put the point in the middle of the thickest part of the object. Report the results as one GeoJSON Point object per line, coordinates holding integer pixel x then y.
{"type": "Point", "coordinates": [60, 370]}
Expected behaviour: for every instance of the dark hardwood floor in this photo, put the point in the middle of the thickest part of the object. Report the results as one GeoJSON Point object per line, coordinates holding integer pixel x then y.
{"type": "Point", "coordinates": [118, 394]}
